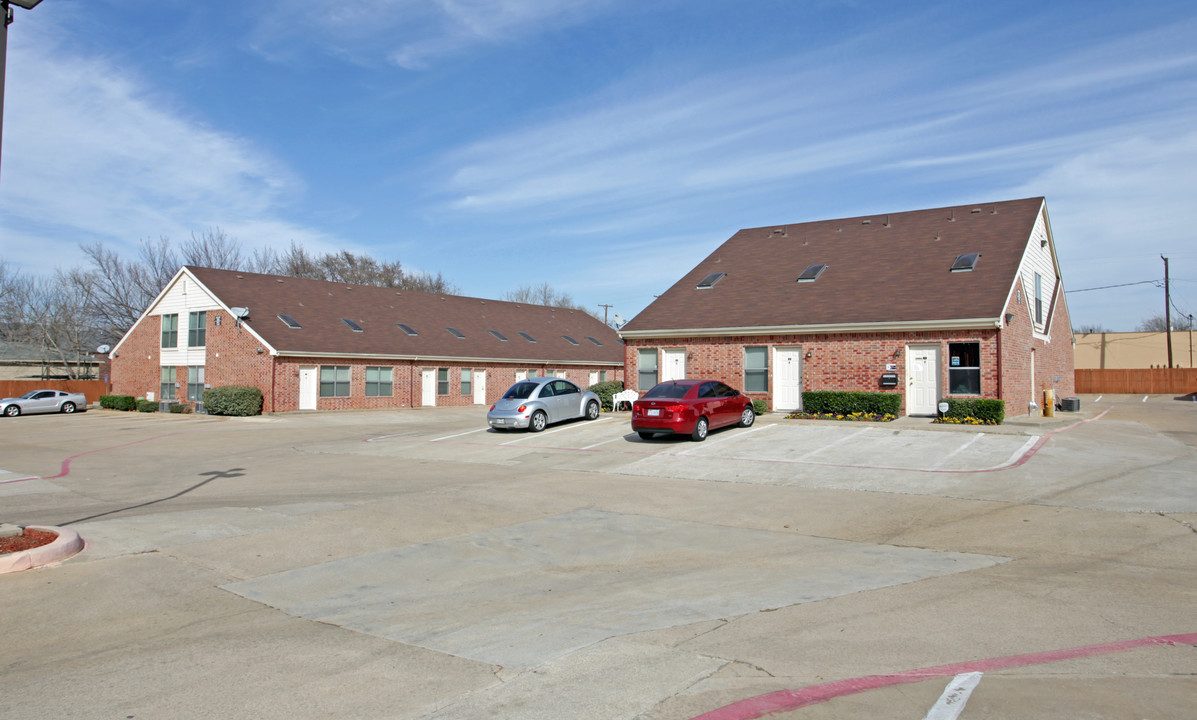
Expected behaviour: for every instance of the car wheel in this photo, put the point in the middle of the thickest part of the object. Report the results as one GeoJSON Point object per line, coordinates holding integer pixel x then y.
{"type": "Point", "coordinates": [12, 410]}
{"type": "Point", "coordinates": [700, 430]}
{"type": "Point", "coordinates": [538, 422]}
{"type": "Point", "coordinates": [747, 417]}
{"type": "Point", "coordinates": [646, 435]}
{"type": "Point", "coordinates": [68, 407]}
{"type": "Point", "coordinates": [592, 410]}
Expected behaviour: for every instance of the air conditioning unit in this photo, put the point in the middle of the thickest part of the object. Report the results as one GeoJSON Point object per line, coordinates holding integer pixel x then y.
{"type": "Point", "coordinates": [164, 406]}
{"type": "Point", "coordinates": [199, 408]}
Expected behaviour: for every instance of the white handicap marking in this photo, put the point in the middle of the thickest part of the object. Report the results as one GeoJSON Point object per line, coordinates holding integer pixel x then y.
{"type": "Point", "coordinates": [955, 697]}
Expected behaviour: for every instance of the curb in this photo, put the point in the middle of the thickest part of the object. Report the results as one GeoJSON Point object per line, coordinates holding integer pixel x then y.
{"type": "Point", "coordinates": [67, 545]}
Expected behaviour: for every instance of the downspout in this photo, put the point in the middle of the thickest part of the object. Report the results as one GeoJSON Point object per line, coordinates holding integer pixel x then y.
{"type": "Point", "coordinates": [273, 368]}
{"type": "Point", "coordinates": [1001, 363]}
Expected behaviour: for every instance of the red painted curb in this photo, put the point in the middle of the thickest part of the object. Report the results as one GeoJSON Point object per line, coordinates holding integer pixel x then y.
{"type": "Point", "coordinates": [68, 544]}
{"type": "Point", "coordinates": [786, 700]}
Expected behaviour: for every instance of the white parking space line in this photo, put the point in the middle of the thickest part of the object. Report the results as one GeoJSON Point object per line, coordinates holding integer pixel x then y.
{"type": "Point", "coordinates": [955, 697]}
{"type": "Point", "coordinates": [469, 432]}
{"type": "Point", "coordinates": [952, 454]}
{"type": "Point", "coordinates": [725, 438]}
{"type": "Point", "coordinates": [574, 426]}
{"type": "Point", "coordinates": [841, 441]}
{"type": "Point", "coordinates": [1021, 451]}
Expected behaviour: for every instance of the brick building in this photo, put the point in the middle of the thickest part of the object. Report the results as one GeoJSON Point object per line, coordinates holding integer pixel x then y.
{"type": "Point", "coordinates": [959, 301]}
{"type": "Point", "coordinates": [310, 344]}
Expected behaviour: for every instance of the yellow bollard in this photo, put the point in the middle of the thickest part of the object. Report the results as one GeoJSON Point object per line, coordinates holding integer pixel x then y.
{"type": "Point", "coordinates": [1049, 403]}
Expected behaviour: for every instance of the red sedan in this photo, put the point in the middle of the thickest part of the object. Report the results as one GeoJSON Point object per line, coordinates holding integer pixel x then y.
{"type": "Point", "coordinates": [690, 407]}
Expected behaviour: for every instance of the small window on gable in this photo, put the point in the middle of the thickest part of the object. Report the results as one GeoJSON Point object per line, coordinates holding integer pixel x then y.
{"type": "Point", "coordinates": [595, 341]}
{"type": "Point", "coordinates": [407, 329]}
{"type": "Point", "coordinates": [455, 333]}
{"type": "Point", "coordinates": [527, 337]}
{"type": "Point", "coordinates": [290, 322]}
{"type": "Point", "coordinates": [965, 263]}
{"type": "Point", "coordinates": [570, 340]}
{"type": "Point", "coordinates": [499, 335]}
{"type": "Point", "coordinates": [811, 273]}
{"type": "Point", "coordinates": [352, 325]}
{"type": "Point", "coordinates": [710, 280]}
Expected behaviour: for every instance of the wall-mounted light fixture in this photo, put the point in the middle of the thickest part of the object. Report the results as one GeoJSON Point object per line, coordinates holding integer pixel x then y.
{"type": "Point", "coordinates": [808, 354]}
{"type": "Point", "coordinates": [898, 352]}
{"type": "Point", "coordinates": [261, 349]}
{"type": "Point", "coordinates": [1009, 318]}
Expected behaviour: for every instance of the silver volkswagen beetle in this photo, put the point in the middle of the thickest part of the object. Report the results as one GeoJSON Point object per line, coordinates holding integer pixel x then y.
{"type": "Point", "coordinates": [536, 402]}
{"type": "Point", "coordinates": [43, 401]}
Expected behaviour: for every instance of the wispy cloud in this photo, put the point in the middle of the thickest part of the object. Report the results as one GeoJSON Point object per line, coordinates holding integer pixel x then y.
{"type": "Point", "coordinates": [414, 33]}
{"type": "Point", "coordinates": [95, 151]}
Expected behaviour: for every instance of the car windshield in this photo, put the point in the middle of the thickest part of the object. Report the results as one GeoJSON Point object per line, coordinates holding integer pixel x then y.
{"type": "Point", "coordinates": [521, 391]}
{"type": "Point", "coordinates": [668, 390]}
{"type": "Point", "coordinates": [29, 395]}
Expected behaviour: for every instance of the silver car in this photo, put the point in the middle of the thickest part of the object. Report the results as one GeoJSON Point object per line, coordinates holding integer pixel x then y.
{"type": "Point", "coordinates": [43, 401]}
{"type": "Point", "coordinates": [536, 402]}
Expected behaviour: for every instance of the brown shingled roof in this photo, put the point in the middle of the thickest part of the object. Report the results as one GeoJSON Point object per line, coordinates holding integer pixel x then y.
{"type": "Point", "coordinates": [319, 306]}
{"type": "Point", "coordinates": [887, 268]}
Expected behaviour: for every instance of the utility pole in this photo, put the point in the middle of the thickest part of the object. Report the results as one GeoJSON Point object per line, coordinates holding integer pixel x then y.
{"type": "Point", "coordinates": [1167, 309]}
{"type": "Point", "coordinates": [605, 309]}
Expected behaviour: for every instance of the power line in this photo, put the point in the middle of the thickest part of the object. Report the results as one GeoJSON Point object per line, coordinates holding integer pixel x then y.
{"type": "Point", "coordinates": [1107, 287]}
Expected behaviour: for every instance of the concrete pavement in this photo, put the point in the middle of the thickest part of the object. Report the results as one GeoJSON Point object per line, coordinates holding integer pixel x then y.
{"type": "Point", "coordinates": [410, 565]}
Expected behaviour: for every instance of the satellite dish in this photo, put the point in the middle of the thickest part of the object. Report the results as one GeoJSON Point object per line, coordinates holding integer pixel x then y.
{"type": "Point", "coordinates": [240, 312]}
{"type": "Point", "coordinates": [103, 349]}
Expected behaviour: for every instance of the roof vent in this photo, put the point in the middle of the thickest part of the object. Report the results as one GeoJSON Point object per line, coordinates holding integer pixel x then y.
{"type": "Point", "coordinates": [594, 340]}
{"type": "Point", "coordinates": [710, 280]}
{"type": "Point", "coordinates": [570, 340]}
{"type": "Point", "coordinates": [407, 329]}
{"type": "Point", "coordinates": [499, 335]}
{"type": "Point", "coordinates": [290, 322]}
{"type": "Point", "coordinates": [352, 325]}
{"type": "Point", "coordinates": [975, 211]}
{"type": "Point", "coordinates": [455, 332]}
{"type": "Point", "coordinates": [866, 222]}
{"type": "Point", "coordinates": [527, 337]}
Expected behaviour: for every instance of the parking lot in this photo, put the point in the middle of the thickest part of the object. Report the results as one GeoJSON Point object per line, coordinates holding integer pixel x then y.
{"type": "Point", "coordinates": [416, 564]}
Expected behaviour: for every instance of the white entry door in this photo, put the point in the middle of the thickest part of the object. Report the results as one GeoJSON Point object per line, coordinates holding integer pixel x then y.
{"type": "Point", "coordinates": [922, 379]}
{"type": "Point", "coordinates": [308, 387]}
{"type": "Point", "coordinates": [428, 388]}
{"type": "Point", "coordinates": [479, 387]}
{"type": "Point", "coordinates": [787, 379]}
{"type": "Point", "coordinates": [673, 366]}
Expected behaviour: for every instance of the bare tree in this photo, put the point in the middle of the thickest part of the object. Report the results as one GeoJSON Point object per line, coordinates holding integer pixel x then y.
{"type": "Point", "coordinates": [213, 249]}
{"type": "Point", "coordinates": [545, 294]}
{"type": "Point", "coordinates": [122, 290]}
{"type": "Point", "coordinates": [1089, 328]}
{"type": "Point", "coordinates": [427, 282]}
{"type": "Point", "coordinates": [1157, 323]}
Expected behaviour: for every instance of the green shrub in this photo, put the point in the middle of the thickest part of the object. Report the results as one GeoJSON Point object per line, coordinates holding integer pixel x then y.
{"type": "Point", "coordinates": [144, 405]}
{"type": "Point", "coordinates": [118, 402]}
{"type": "Point", "coordinates": [760, 407]}
{"type": "Point", "coordinates": [846, 402]}
{"type": "Point", "coordinates": [237, 400]}
{"type": "Point", "coordinates": [180, 408]}
{"type": "Point", "coordinates": [605, 391]}
{"type": "Point", "coordinates": [988, 410]}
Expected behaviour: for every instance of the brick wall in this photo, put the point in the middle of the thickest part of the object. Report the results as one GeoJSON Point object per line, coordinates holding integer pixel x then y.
{"type": "Point", "coordinates": [856, 361]}
{"type": "Point", "coordinates": [232, 358]}
{"type": "Point", "coordinates": [1053, 361]}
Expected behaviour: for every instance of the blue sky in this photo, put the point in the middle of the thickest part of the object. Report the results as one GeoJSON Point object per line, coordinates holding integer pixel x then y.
{"type": "Point", "coordinates": [602, 146]}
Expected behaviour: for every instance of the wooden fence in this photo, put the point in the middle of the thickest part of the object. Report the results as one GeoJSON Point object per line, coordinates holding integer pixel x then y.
{"type": "Point", "coordinates": [1147, 381]}
{"type": "Point", "coordinates": [93, 389]}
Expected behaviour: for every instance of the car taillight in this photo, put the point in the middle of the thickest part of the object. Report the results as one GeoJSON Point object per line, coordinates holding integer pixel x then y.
{"type": "Point", "coordinates": [676, 409]}
{"type": "Point", "coordinates": [492, 407]}
{"type": "Point", "coordinates": [521, 408]}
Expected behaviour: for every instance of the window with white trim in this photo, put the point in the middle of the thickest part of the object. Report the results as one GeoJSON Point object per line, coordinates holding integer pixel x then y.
{"type": "Point", "coordinates": [379, 381]}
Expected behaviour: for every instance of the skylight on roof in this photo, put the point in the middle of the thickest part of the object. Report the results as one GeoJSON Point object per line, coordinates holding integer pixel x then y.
{"type": "Point", "coordinates": [811, 273]}
{"type": "Point", "coordinates": [499, 335]}
{"type": "Point", "coordinates": [407, 329]}
{"type": "Point", "coordinates": [290, 321]}
{"type": "Point", "coordinates": [710, 280]}
{"type": "Point", "coordinates": [352, 325]}
{"type": "Point", "coordinates": [570, 340]}
{"type": "Point", "coordinates": [965, 263]}
{"type": "Point", "coordinates": [527, 337]}
{"type": "Point", "coordinates": [455, 333]}
{"type": "Point", "coordinates": [594, 340]}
